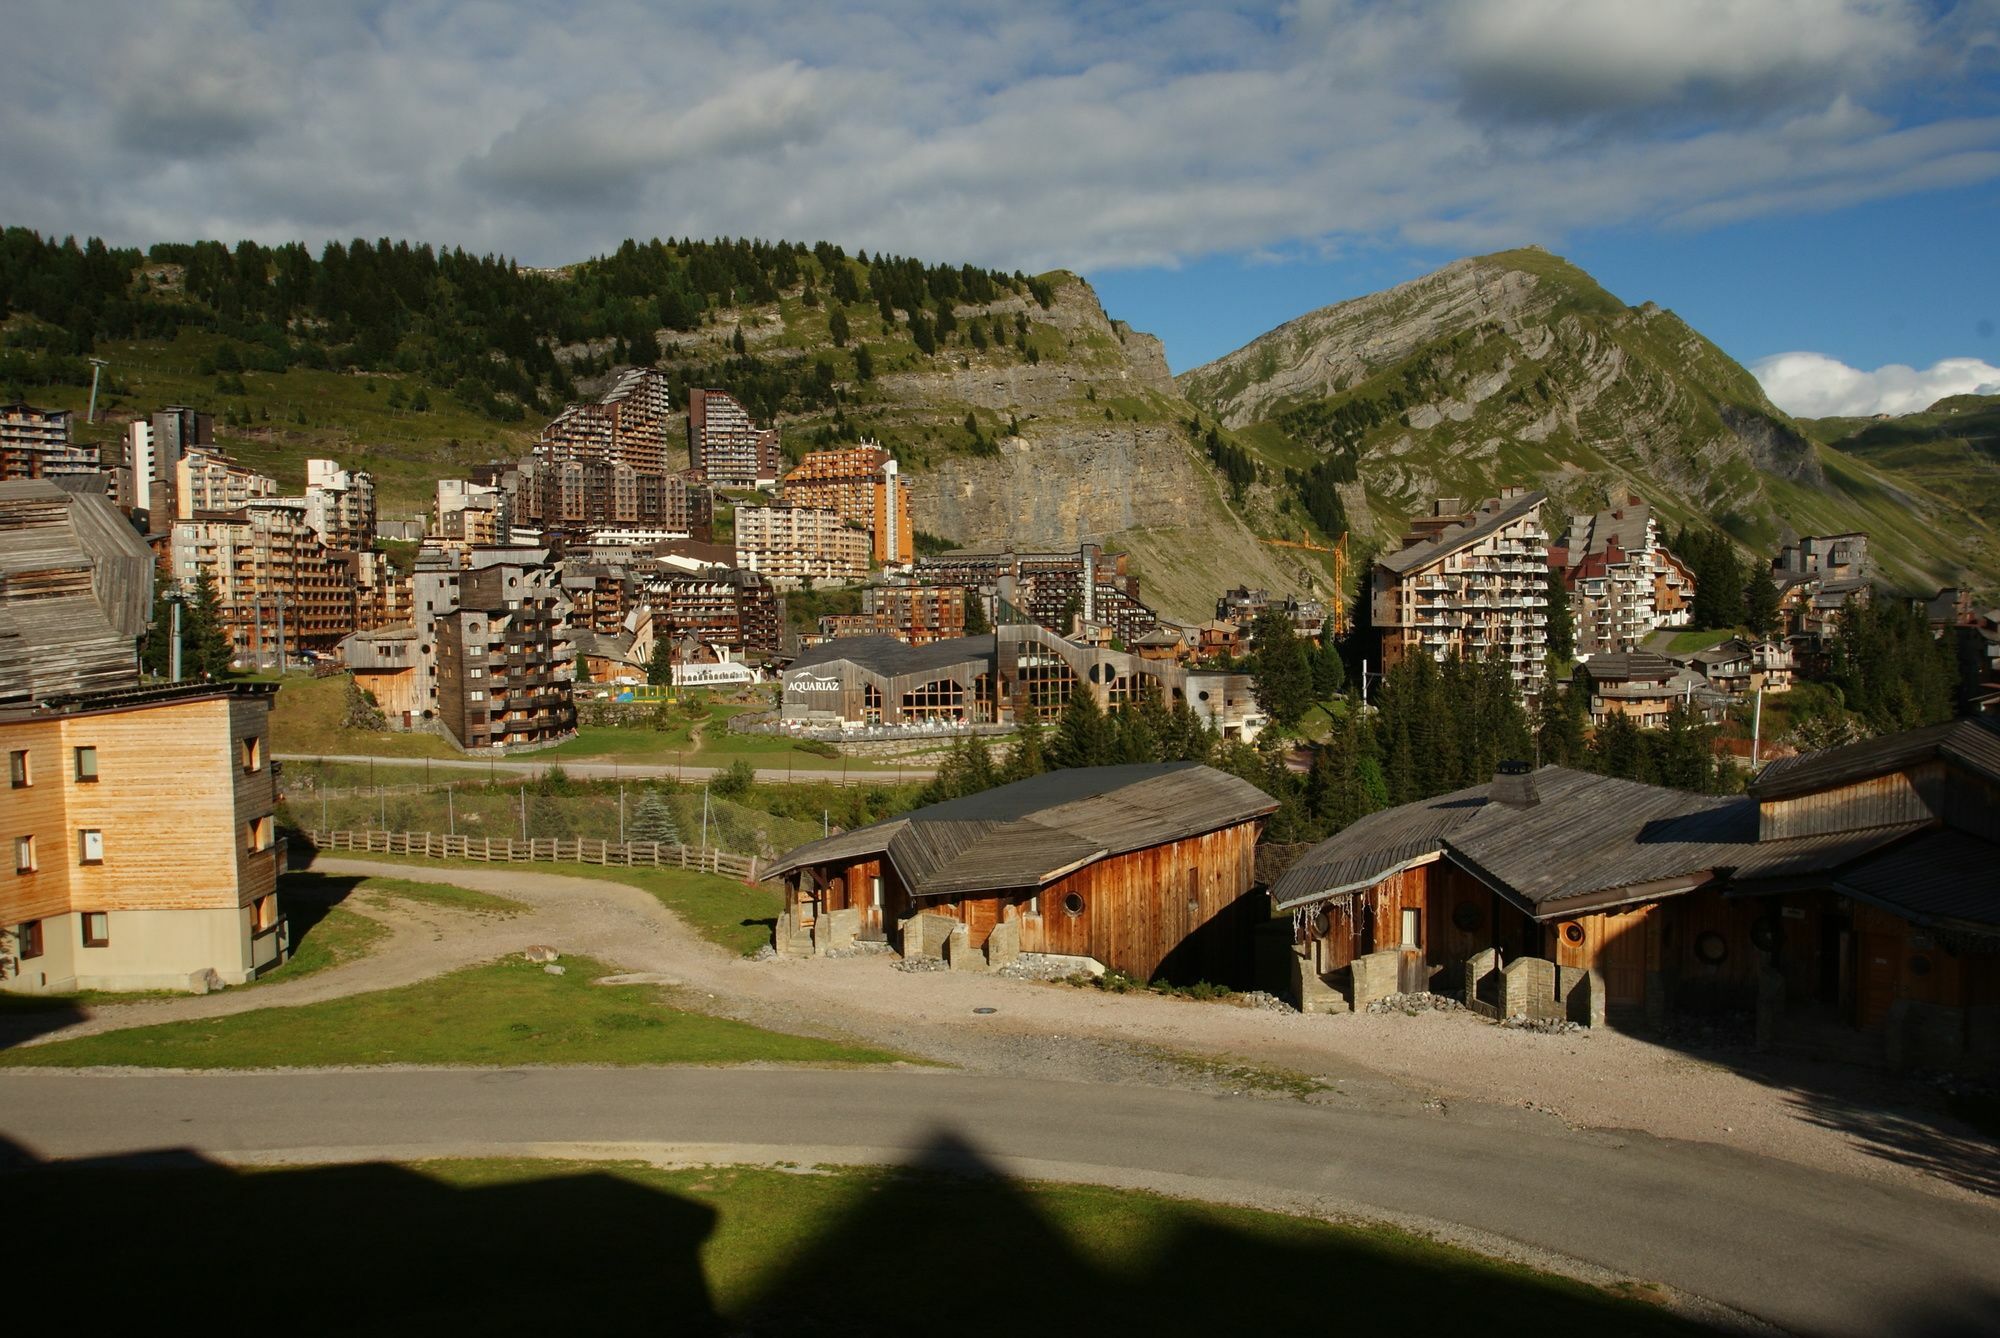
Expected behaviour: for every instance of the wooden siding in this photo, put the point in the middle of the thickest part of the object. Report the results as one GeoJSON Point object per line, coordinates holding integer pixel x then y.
{"type": "Point", "coordinates": [1143, 912]}
{"type": "Point", "coordinates": [1622, 945]}
{"type": "Point", "coordinates": [1730, 985]}
{"type": "Point", "coordinates": [171, 799]}
{"type": "Point", "coordinates": [1880, 801]}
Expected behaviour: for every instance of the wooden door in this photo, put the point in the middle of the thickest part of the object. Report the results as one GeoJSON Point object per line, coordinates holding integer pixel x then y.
{"type": "Point", "coordinates": [1621, 957]}
{"type": "Point", "coordinates": [1878, 977]}
{"type": "Point", "coordinates": [980, 916]}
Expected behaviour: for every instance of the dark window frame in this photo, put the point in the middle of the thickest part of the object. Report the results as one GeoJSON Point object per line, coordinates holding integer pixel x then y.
{"type": "Point", "coordinates": [83, 920]}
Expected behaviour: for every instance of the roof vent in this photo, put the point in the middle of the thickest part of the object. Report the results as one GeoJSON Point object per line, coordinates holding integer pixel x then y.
{"type": "Point", "coordinates": [1514, 785]}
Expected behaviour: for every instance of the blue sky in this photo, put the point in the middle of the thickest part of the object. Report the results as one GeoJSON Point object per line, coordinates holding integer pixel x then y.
{"type": "Point", "coordinates": [1810, 182]}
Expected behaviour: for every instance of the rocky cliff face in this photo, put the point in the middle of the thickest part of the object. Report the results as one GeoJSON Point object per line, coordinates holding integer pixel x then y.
{"type": "Point", "coordinates": [1102, 454]}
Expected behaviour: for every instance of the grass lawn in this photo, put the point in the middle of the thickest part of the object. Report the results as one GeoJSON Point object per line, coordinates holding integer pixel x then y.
{"type": "Point", "coordinates": [1686, 643]}
{"type": "Point", "coordinates": [728, 913]}
{"type": "Point", "coordinates": [306, 718]}
{"type": "Point", "coordinates": [505, 1013]}
{"type": "Point", "coordinates": [494, 1246]}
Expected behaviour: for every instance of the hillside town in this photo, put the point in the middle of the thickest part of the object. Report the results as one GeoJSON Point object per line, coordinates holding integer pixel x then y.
{"type": "Point", "coordinates": [681, 770]}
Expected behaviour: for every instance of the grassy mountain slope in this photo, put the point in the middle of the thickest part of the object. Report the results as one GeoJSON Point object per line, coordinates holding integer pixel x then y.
{"type": "Point", "coordinates": [1519, 368]}
{"type": "Point", "coordinates": [1951, 448]}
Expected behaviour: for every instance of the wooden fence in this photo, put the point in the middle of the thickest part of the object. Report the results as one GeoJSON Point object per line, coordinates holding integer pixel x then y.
{"type": "Point", "coordinates": [506, 850]}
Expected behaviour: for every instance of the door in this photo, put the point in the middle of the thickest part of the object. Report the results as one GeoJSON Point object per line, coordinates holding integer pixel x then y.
{"type": "Point", "coordinates": [1621, 958]}
{"type": "Point", "coordinates": [1878, 977]}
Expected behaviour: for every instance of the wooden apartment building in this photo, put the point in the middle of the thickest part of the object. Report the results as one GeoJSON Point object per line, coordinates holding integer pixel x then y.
{"type": "Point", "coordinates": [139, 823]}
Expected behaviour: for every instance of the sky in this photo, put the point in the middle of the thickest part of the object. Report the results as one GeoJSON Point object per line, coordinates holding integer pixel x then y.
{"type": "Point", "coordinates": [1814, 184]}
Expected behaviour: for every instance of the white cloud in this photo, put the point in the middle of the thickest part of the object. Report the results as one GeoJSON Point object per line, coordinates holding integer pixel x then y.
{"type": "Point", "coordinates": [1812, 385]}
{"type": "Point", "coordinates": [1041, 135]}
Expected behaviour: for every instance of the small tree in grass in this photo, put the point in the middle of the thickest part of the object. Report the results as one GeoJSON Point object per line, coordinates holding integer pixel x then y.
{"type": "Point", "coordinates": [653, 820]}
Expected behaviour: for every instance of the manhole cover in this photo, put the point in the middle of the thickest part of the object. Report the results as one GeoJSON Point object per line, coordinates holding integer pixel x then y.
{"type": "Point", "coordinates": [985, 1010]}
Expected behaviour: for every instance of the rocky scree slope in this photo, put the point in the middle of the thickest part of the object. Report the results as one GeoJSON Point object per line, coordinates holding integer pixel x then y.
{"type": "Point", "coordinates": [1519, 368]}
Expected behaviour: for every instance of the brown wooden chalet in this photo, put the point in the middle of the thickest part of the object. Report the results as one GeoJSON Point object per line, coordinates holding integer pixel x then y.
{"type": "Point", "coordinates": [1143, 868]}
{"type": "Point", "coordinates": [1851, 899]}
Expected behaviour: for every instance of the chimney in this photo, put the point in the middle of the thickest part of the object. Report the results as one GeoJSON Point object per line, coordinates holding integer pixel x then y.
{"type": "Point", "coordinates": [1514, 786]}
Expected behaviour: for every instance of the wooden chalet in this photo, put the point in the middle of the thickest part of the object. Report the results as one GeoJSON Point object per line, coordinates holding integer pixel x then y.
{"type": "Point", "coordinates": [1850, 900]}
{"type": "Point", "coordinates": [1892, 953]}
{"type": "Point", "coordinates": [1145, 869]}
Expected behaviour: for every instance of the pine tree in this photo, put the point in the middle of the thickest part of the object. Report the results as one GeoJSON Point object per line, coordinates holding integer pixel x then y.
{"type": "Point", "coordinates": [836, 324]}
{"type": "Point", "coordinates": [1562, 619]}
{"type": "Point", "coordinates": [864, 363]}
{"type": "Point", "coordinates": [653, 820]}
{"type": "Point", "coordinates": [1329, 673]}
{"type": "Point", "coordinates": [1560, 722]}
{"type": "Point", "coordinates": [1760, 603]}
{"type": "Point", "coordinates": [1282, 673]}
{"type": "Point", "coordinates": [205, 648]}
{"type": "Point", "coordinates": [975, 614]}
{"type": "Point", "coordinates": [1083, 737]}
{"type": "Point", "coordinates": [660, 667]}
{"type": "Point", "coordinates": [1028, 757]}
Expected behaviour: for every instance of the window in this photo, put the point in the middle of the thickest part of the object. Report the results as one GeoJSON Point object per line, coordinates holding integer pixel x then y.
{"type": "Point", "coordinates": [475, 696]}
{"type": "Point", "coordinates": [28, 940]}
{"type": "Point", "coordinates": [96, 929]}
{"type": "Point", "coordinates": [90, 845]}
{"type": "Point", "coordinates": [24, 854]}
{"type": "Point", "coordinates": [1072, 903]}
{"type": "Point", "coordinates": [264, 913]}
{"type": "Point", "coordinates": [1034, 906]}
{"type": "Point", "coordinates": [260, 834]}
{"type": "Point", "coordinates": [875, 892]}
{"type": "Point", "coordinates": [17, 769]}
{"type": "Point", "coordinates": [86, 763]}
{"type": "Point", "coordinates": [253, 754]}
{"type": "Point", "coordinates": [1413, 920]}
{"type": "Point", "coordinates": [475, 672]}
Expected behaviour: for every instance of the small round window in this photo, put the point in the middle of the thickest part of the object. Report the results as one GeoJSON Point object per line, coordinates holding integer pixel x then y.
{"type": "Point", "coordinates": [1711, 947]}
{"type": "Point", "coordinates": [1073, 903]}
{"type": "Point", "coordinates": [1572, 932]}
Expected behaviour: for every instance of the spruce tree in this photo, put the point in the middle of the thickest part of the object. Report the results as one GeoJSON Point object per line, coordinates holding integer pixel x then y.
{"type": "Point", "coordinates": [1083, 738]}
{"type": "Point", "coordinates": [1329, 673]}
{"type": "Point", "coordinates": [1760, 603]}
{"type": "Point", "coordinates": [653, 820]}
{"type": "Point", "coordinates": [1028, 757]}
{"type": "Point", "coordinates": [1562, 619]}
{"type": "Point", "coordinates": [205, 648]}
{"type": "Point", "coordinates": [836, 324]}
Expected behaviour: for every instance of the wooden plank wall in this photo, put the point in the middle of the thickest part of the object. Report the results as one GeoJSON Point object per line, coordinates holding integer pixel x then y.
{"type": "Point", "coordinates": [1139, 907]}
{"type": "Point", "coordinates": [1623, 944]}
{"type": "Point", "coordinates": [1881, 801]}
{"type": "Point", "coordinates": [1730, 985]}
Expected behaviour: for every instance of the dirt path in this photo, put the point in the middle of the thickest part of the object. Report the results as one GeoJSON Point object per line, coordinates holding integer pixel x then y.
{"type": "Point", "coordinates": [1814, 1115]}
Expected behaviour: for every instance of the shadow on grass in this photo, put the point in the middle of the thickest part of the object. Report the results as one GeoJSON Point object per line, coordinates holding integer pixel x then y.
{"type": "Point", "coordinates": [480, 1248]}
{"type": "Point", "coordinates": [306, 897]}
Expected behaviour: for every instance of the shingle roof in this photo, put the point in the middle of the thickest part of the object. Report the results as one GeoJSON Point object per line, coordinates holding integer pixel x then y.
{"type": "Point", "coordinates": [890, 658]}
{"type": "Point", "coordinates": [1587, 835]}
{"type": "Point", "coordinates": [1032, 831]}
{"type": "Point", "coordinates": [1973, 744]}
{"type": "Point", "coordinates": [1941, 877]}
{"type": "Point", "coordinates": [1483, 523]}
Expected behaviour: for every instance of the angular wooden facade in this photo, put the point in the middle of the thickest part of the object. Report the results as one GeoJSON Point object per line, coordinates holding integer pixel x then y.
{"type": "Point", "coordinates": [1046, 856]}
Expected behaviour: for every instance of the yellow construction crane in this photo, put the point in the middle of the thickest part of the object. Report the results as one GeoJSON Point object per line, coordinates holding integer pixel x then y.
{"type": "Point", "coordinates": [1337, 602]}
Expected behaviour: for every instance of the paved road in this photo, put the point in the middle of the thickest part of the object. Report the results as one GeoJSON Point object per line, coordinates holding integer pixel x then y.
{"type": "Point", "coordinates": [1809, 1251]}
{"type": "Point", "coordinates": [531, 768]}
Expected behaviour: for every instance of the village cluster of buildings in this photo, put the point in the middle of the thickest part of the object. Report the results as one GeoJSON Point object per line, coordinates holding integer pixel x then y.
{"type": "Point", "coordinates": [1475, 581]}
